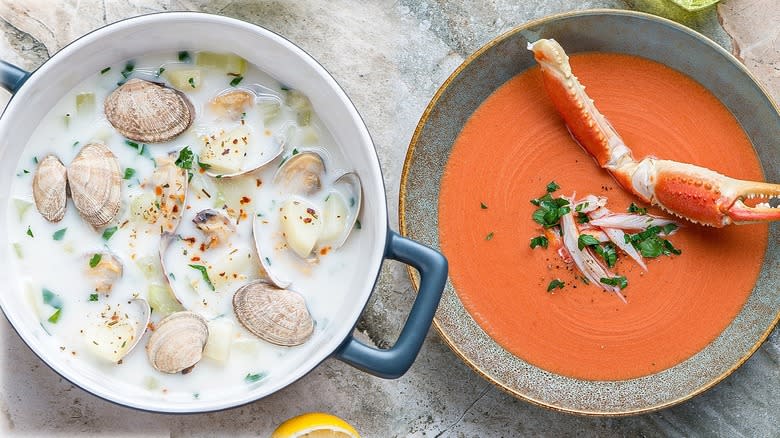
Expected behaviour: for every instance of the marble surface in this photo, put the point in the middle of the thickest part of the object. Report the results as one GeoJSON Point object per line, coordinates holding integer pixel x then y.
{"type": "Point", "coordinates": [390, 57]}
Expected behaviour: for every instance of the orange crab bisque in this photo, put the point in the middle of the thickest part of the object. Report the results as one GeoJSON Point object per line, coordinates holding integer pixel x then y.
{"type": "Point", "coordinates": [516, 143]}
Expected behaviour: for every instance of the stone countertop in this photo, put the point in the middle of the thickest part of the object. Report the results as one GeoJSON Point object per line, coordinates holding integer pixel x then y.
{"type": "Point", "coordinates": [390, 57]}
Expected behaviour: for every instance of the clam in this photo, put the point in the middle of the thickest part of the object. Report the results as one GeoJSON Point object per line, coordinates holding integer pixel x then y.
{"type": "Point", "coordinates": [301, 173]}
{"type": "Point", "coordinates": [232, 104]}
{"type": "Point", "coordinates": [215, 224]}
{"type": "Point", "coordinates": [228, 153]}
{"type": "Point", "coordinates": [169, 182]}
{"type": "Point", "coordinates": [105, 273]}
{"type": "Point", "coordinates": [178, 342]}
{"type": "Point", "coordinates": [50, 188]}
{"type": "Point", "coordinates": [341, 209]}
{"type": "Point", "coordinates": [278, 316]}
{"type": "Point", "coordinates": [148, 112]}
{"type": "Point", "coordinates": [95, 184]}
{"type": "Point", "coordinates": [116, 333]}
{"type": "Point", "coordinates": [265, 262]}
{"type": "Point", "coordinates": [165, 241]}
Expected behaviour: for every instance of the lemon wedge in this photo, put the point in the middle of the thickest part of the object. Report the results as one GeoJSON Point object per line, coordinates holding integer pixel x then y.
{"type": "Point", "coordinates": [315, 425]}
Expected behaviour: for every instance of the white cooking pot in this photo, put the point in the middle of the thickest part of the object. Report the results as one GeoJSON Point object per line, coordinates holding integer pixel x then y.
{"type": "Point", "coordinates": [36, 93]}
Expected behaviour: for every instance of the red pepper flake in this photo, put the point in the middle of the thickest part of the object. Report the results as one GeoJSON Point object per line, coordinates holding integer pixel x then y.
{"type": "Point", "coordinates": [175, 208]}
{"type": "Point", "coordinates": [190, 240]}
{"type": "Point", "coordinates": [245, 200]}
{"type": "Point", "coordinates": [258, 183]}
{"type": "Point", "coordinates": [195, 259]}
{"type": "Point", "coordinates": [222, 274]}
{"type": "Point", "coordinates": [307, 220]}
{"type": "Point", "coordinates": [235, 141]}
{"type": "Point", "coordinates": [311, 211]}
{"type": "Point", "coordinates": [226, 151]}
{"type": "Point", "coordinates": [158, 190]}
{"type": "Point", "coordinates": [235, 275]}
{"type": "Point", "coordinates": [202, 246]}
{"type": "Point", "coordinates": [324, 250]}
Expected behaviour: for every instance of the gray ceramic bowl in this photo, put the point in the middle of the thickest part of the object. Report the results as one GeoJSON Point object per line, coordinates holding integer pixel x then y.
{"type": "Point", "coordinates": [506, 56]}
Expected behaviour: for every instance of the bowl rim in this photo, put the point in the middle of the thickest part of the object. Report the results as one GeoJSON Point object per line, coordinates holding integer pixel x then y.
{"type": "Point", "coordinates": [414, 277]}
{"type": "Point", "coordinates": [329, 346]}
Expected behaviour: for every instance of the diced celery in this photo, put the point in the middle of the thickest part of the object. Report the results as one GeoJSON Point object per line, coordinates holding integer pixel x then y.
{"type": "Point", "coordinates": [219, 200]}
{"type": "Point", "coordinates": [220, 339]}
{"type": "Point", "coordinates": [161, 300]}
{"type": "Point", "coordinates": [228, 62]}
{"type": "Point", "coordinates": [150, 267]}
{"type": "Point", "coordinates": [85, 103]}
{"type": "Point", "coordinates": [302, 106]}
{"type": "Point", "coordinates": [21, 207]}
{"type": "Point", "coordinates": [270, 111]}
{"type": "Point", "coordinates": [184, 79]}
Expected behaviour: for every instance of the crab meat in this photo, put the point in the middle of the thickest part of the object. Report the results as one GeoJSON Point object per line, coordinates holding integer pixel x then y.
{"type": "Point", "coordinates": [695, 193]}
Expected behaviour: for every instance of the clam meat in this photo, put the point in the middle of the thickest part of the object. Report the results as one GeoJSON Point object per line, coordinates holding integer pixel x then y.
{"type": "Point", "coordinates": [148, 112]}
{"type": "Point", "coordinates": [104, 269]}
{"type": "Point", "coordinates": [177, 342]}
{"type": "Point", "coordinates": [265, 262]}
{"type": "Point", "coordinates": [301, 173]}
{"type": "Point", "coordinates": [169, 183]}
{"type": "Point", "coordinates": [50, 188]}
{"type": "Point", "coordinates": [215, 225]}
{"type": "Point", "coordinates": [95, 184]}
{"type": "Point", "coordinates": [278, 316]}
{"type": "Point", "coordinates": [232, 104]}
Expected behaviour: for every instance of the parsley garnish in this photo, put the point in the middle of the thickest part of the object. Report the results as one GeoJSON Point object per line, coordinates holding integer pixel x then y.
{"type": "Point", "coordinates": [203, 166]}
{"type": "Point", "coordinates": [555, 284]}
{"type": "Point", "coordinates": [185, 158]}
{"type": "Point", "coordinates": [582, 218]}
{"type": "Point", "coordinates": [633, 208]}
{"type": "Point", "coordinates": [586, 240]}
{"type": "Point", "coordinates": [191, 81]}
{"type": "Point", "coordinates": [489, 236]}
{"type": "Point", "coordinates": [236, 80]}
{"type": "Point", "coordinates": [482, 206]}
{"type": "Point", "coordinates": [204, 273]}
{"type": "Point", "coordinates": [95, 260]}
{"type": "Point", "coordinates": [252, 378]}
{"type": "Point", "coordinates": [129, 172]}
{"type": "Point", "coordinates": [649, 243]}
{"type": "Point", "coordinates": [357, 225]}
{"type": "Point", "coordinates": [59, 234]}
{"type": "Point", "coordinates": [619, 281]}
{"type": "Point", "coordinates": [55, 316]}
{"type": "Point", "coordinates": [184, 56]}
{"type": "Point", "coordinates": [552, 186]}
{"type": "Point", "coordinates": [93, 297]}
{"type": "Point", "coordinates": [105, 70]}
{"type": "Point", "coordinates": [550, 209]}
{"type": "Point", "coordinates": [129, 67]}
{"type": "Point", "coordinates": [108, 232]}
{"type": "Point", "coordinates": [160, 71]}
{"type": "Point", "coordinates": [29, 232]}
{"type": "Point", "coordinates": [132, 144]}
{"type": "Point", "coordinates": [539, 241]}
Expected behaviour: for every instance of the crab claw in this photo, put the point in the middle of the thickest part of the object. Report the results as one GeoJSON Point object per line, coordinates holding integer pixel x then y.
{"type": "Point", "coordinates": [695, 193]}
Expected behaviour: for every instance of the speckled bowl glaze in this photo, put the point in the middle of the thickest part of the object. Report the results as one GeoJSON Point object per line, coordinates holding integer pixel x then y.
{"type": "Point", "coordinates": [486, 70]}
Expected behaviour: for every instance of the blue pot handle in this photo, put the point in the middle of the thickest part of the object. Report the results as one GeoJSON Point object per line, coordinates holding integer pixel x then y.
{"type": "Point", "coordinates": [394, 362]}
{"type": "Point", "coordinates": [11, 76]}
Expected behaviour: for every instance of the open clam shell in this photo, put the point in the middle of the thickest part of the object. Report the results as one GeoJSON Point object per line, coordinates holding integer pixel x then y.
{"type": "Point", "coordinates": [143, 322]}
{"type": "Point", "coordinates": [278, 316]}
{"type": "Point", "coordinates": [95, 184]}
{"type": "Point", "coordinates": [49, 188]}
{"type": "Point", "coordinates": [148, 112]}
{"type": "Point", "coordinates": [178, 342]}
{"type": "Point", "coordinates": [118, 331]}
{"type": "Point", "coordinates": [265, 262]}
{"type": "Point", "coordinates": [170, 182]}
{"type": "Point", "coordinates": [301, 173]}
{"type": "Point", "coordinates": [342, 207]}
{"type": "Point", "coordinates": [165, 241]}
{"type": "Point", "coordinates": [260, 162]}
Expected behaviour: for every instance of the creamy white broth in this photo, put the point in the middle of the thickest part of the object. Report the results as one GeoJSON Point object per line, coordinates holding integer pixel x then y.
{"type": "Point", "coordinates": [61, 266]}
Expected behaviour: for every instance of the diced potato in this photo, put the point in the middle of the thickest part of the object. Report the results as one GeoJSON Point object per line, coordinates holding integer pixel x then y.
{"type": "Point", "coordinates": [301, 225]}
{"type": "Point", "coordinates": [226, 153]}
{"type": "Point", "coordinates": [21, 207]}
{"type": "Point", "coordinates": [220, 339]}
{"type": "Point", "coordinates": [307, 136]}
{"type": "Point", "coordinates": [145, 208]}
{"type": "Point", "coordinates": [302, 106]}
{"type": "Point", "coordinates": [161, 300]}
{"type": "Point", "coordinates": [247, 345]}
{"type": "Point", "coordinates": [228, 62]}
{"type": "Point", "coordinates": [184, 79]}
{"type": "Point", "coordinates": [110, 340]}
{"type": "Point", "coordinates": [85, 103]}
{"type": "Point", "coordinates": [334, 217]}
{"type": "Point", "coordinates": [236, 263]}
{"type": "Point", "coordinates": [149, 266]}
{"type": "Point", "coordinates": [236, 192]}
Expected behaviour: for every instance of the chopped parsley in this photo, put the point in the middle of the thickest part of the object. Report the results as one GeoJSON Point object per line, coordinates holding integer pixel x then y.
{"type": "Point", "coordinates": [204, 273]}
{"type": "Point", "coordinates": [95, 260]}
{"type": "Point", "coordinates": [619, 281]}
{"type": "Point", "coordinates": [552, 186]}
{"type": "Point", "coordinates": [29, 232]}
{"type": "Point", "coordinates": [539, 241]}
{"type": "Point", "coordinates": [236, 80]}
{"type": "Point", "coordinates": [52, 300]}
{"type": "Point", "coordinates": [582, 218]}
{"type": "Point", "coordinates": [586, 240]}
{"type": "Point", "coordinates": [54, 317]}
{"type": "Point", "coordinates": [555, 284]}
{"type": "Point", "coordinates": [203, 166]}
{"type": "Point", "coordinates": [633, 208]}
{"type": "Point", "coordinates": [650, 244]}
{"type": "Point", "coordinates": [129, 67]}
{"type": "Point", "coordinates": [606, 251]}
{"type": "Point", "coordinates": [109, 232]}
{"type": "Point", "coordinates": [482, 206]}
{"type": "Point", "coordinates": [160, 71]}
{"type": "Point", "coordinates": [105, 70]}
{"type": "Point", "coordinates": [129, 172]}
{"type": "Point", "coordinates": [184, 56]}
{"type": "Point", "coordinates": [252, 378]}
{"type": "Point", "coordinates": [93, 297]}
{"type": "Point", "coordinates": [59, 234]}
{"type": "Point", "coordinates": [133, 144]}
{"type": "Point", "coordinates": [550, 210]}
{"type": "Point", "coordinates": [357, 225]}
{"type": "Point", "coordinates": [191, 81]}
{"type": "Point", "coordinates": [580, 206]}
{"type": "Point", "coordinates": [185, 158]}
{"type": "Point", "coordinates": [489, 236]}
